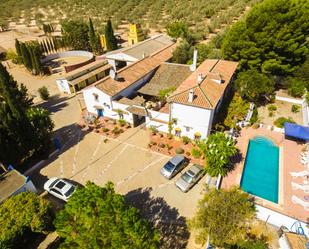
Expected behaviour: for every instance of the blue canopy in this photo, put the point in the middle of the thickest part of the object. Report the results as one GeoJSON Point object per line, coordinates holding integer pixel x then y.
{"type": "Point", "coordinates": [297, 131]}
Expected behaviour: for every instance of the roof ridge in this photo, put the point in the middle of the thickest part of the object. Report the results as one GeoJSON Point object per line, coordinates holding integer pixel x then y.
{"type": "Point", "coordinates": [176, 64]}
{"type": "Point", "coordinates": [205, 95]}
{"type": "Point", "coordinates": [142, 42]}
{"type": "Point", "coordinates": [183, 91]}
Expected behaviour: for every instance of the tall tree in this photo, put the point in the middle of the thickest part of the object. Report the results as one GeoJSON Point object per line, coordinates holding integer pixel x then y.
{"type": "Point", "coordinates": [17, 47]}
{"type": "Point", "coordinates": [23, 131]}
{"type": "Point", "coordinates": [218, 150]}
{"type": "Point", "coordinates": [93, 38]}
{"type": "Point", "coordinates": [272, 38]}
{"type": "Point", "coordinates": [26, 56]}
{"type": "Point", "coordinates": [21, 214]}
{"type": "Point", "coordinates": [254, 86]}
{"type": "Point", "coordinates": [75, 34]}
{"type": "Point", "coordinates": [224, 216]}
{"type": "Point", "coordinates": [111, 41]}
{"type": "Point", "coordinates": [97, 217]}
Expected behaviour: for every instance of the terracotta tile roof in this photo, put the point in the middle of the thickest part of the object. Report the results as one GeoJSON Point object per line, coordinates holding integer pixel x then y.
{"type": "Point", "coordinates": [166, 76]}
{"type": "Point", "coordinates": [132, 73]}
{"type": "Point", "coordinates": [146, 47]}
{"type": "Point", "coordinates": [296, 241]}
{"type": "Point", "coordinates": [141, 111]}
{"type": "Point", "coordinates": [208, 92]}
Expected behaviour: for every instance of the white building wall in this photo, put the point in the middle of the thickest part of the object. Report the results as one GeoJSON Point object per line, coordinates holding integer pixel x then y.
{"type": "Point", "coordinates": [103, 100]}
{"type": "Point", "coordinates": [192, 119]}
{"type": "Point", "coordinates": [162, 127]}
{"type": "Point", "coordinates": [128, 117]}
{"type": "Point", "coordinates": [63, 86]}
{"type": "Point", "coordinates": [279, 220]}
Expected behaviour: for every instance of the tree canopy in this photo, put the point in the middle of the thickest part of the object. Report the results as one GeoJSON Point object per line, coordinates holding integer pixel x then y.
{"type": "Point", "coordinates": [75, 34]}
{"type": "Point", "coordinates": [236, 112]}
{"type": "Point", "coordinates": [218, 150]}
{"type": "Point", "coordinates": [24, 131]}
{"type": "Point", "coordinates": [254, 86]}
{"type": "Point", "coordinates": [272, 38]}
{"type": "Point", "coordinates": [111, 42]}
{"type": "Point", "coordinates": [97, 217]}
{"type": "Point", "coordinates": [20, 214]}
{"type": "Point", "coordinates": [224, 216]}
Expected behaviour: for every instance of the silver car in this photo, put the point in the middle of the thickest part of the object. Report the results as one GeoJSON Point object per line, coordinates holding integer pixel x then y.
{"type": "Point", "coordinates": [190, 177]}
{"type": "Point", "coordinates": [59, 188]}
{"type": "Point", "coordinates": [174, 166]}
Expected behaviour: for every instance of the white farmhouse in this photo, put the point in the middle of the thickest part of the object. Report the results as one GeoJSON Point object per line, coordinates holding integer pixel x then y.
{"type": "Point", "coordinates": [175, 98]}
{"type": "Point", "coordinates": [125, 56]}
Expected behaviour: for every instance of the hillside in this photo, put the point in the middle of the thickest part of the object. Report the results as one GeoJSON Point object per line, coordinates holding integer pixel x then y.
{"type": "Point", "coordinates": [202, 16]}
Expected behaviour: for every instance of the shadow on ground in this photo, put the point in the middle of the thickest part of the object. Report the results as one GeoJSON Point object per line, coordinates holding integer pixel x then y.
{"type": "Point", "coordinates": [54, 104]}
{"type": "Point", "coordinates": [172, 227]}
{"type": "Point", "coordinates": [69, 136]}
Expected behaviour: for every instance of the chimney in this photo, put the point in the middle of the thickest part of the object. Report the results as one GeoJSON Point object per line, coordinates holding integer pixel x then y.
{"type": "Point", "coordinates": [191, 95]}
{"type": "Point", "coordinates": [113, 74]}
{"type": "Point", "coordinates": [193, 65]}
{"type": "Point", "coordinates": [199, 78]}
{"type": "Point", "coordinates": [216, 78]}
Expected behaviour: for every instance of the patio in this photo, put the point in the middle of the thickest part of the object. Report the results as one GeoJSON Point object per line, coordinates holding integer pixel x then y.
{"type": "Point", "coordinates": [290, 161]}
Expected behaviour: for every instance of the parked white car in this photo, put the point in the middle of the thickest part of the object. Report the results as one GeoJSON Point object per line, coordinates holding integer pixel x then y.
{"type": "Point", "coordinates": [59, 188]}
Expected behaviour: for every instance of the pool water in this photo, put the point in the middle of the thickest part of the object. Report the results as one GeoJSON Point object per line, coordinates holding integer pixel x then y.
{"type": "Point", "coordinates": [261, 170]}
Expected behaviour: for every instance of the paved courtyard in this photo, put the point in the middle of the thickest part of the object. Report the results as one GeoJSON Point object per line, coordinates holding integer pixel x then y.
{"type": "Point", "coordinates": [125, 161]}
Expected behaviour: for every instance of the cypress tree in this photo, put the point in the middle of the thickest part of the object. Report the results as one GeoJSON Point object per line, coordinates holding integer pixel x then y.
{"type": "Point", "coordinates": [16, 132]}
{"type": "Point", "coordinates": [26, 57]}
{"type": "Point", "coordinates": [17, 47]}
{"type": "Point", "coordinates": [93, 39]}
{"type": "Point", "coordinates": [111, 42]}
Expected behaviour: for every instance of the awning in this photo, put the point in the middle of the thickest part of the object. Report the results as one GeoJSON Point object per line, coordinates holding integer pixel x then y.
{"type": "Point", "coordinates": [296, 131]}
{"type": "Point", "coordinates": [140, 111]}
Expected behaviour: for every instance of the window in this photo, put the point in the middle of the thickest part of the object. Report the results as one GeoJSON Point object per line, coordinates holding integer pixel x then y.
{"type": "Point", "coordinates": [55, 191]}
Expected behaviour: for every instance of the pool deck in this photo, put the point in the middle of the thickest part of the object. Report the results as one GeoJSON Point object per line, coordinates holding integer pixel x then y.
{"type": "Point", "coordinates": [289, 161]}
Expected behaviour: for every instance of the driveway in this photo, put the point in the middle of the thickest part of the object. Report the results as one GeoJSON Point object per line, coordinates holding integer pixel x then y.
{"type": "Point", "coordinates": [125, 161]}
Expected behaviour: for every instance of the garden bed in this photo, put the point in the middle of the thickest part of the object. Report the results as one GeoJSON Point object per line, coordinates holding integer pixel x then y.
{"type": "Point", "coordinates": [171, 145]}
{"type": "Point", "coordinates": [108, 127]}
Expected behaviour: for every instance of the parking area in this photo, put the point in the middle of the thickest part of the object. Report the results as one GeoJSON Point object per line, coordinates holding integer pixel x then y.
{"type": "Point", "coordinates": [125, 161]}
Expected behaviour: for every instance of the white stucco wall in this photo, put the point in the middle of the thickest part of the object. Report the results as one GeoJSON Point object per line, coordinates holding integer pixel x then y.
{"type": "Point", "coordinates": [198, 119]}
{"type": "Point", "coordinates": [103, 100]}
{"type": "Point", "coordinates": [158, 116]}
{"type": "Point", "coordinates": [126, 116]}
{"type": "Point", "coordinates": [63, 86]}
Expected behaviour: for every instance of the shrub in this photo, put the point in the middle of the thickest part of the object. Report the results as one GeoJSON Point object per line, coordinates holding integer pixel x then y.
{"type": "Point", "coordinates": [161, 145]}
{"type": "Point", "coordinates": [169, 147]}
{"type": "Point", "coordinates": [185, 139]}
{"type": "Point", "coordinates": [196, 153]}
{"type": "Point", "coordinates": [295, 108]}
{"type": "Point", "coordinates": [122, 122]}
{"type": "Point", "coordinates": [255, 126]}
{"type": "Point", "coordinates": [153, 129]}
{"type": "Point", "coordinates": [279, 122]}
{"type": "Point", "coordinates": [105, 140]}
{"type": "Point", "coordinates": [179, 151]}
{"type": "Point", "coordinates": [272, 108]}
{"type": "Point", "coordinates": [105, 130]}
{"type": "Point", "coordinates": [188, 154]}
{"type": "Point", "coordinates": [44, 93]}
{"type": "Point", "coordinates": [270, 114]}
{"type": "Point", "coordinates": [169, 136]}
{"type": "Point", "coordinates": [116, 131]}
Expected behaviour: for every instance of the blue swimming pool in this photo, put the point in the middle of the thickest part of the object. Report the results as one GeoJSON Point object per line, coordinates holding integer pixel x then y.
{"type": "Point", "coordinates": [261, 170]}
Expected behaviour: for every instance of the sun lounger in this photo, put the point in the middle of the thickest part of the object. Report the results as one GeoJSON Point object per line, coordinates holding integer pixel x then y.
{"type": "Point", "coordinates": [304, 173]}
{"type": "Point", "coordinates": [303, 187]}
{"type": "Point", "coordinates": [301, 202]}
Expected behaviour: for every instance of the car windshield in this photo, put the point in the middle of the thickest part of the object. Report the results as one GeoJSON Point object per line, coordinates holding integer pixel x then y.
{"type": "Point", "coordinates": [70, 191]}
{"type": "Point", "coordinates": [186, 177]}
{"type": "Point", "coordinates": [169, 166]}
